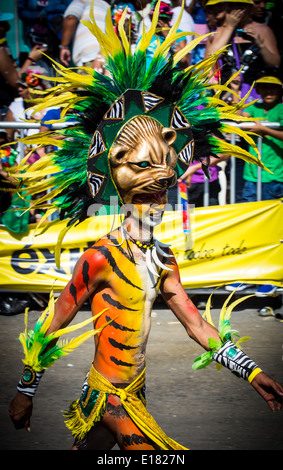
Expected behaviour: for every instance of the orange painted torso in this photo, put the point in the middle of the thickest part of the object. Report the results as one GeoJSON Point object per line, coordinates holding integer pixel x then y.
{"type": "Point", "coordinates": [128, 293]}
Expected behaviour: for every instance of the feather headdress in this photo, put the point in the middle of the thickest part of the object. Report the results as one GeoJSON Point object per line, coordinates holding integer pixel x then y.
{"type": "Point", "coordinates": [77, 174]}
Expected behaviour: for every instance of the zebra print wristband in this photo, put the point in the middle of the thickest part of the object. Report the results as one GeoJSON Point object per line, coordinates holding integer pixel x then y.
{"type": "Point", "coordinates": [29, 381]}
{"type": "Point", "coordinates": [235, 360]}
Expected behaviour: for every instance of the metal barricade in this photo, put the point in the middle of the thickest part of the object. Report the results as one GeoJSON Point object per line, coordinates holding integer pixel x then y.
{"type": "Point", "coordinates": [232, 189]}
{"type": "Point", "coordinates": [22, 126]}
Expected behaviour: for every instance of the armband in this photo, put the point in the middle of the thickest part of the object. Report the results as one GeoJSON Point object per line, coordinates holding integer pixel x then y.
{"type": "Point", "coordinates": [235, 360]}
{"type": "Point", "coordinates": [223, 350]}
{"type": "Point", "coordinates": [29, 381]}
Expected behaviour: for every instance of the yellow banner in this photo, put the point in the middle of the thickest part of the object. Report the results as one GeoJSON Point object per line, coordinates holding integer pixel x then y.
{"type": "Point", "coordinates": [232, 243]}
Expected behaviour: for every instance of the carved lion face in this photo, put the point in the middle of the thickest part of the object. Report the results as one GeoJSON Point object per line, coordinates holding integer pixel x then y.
{"type": "Point", "coordinates": [142, 161]}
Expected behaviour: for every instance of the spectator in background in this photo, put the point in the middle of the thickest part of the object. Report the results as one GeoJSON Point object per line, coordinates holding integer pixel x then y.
{"type": "Point", "coordinates": [187, 23]}
{"type": "Point", "coordinates": [21, 108]}
{"type": "Point", "coordinates": [7, 160]}
{"type": "Point", "coordinates": [271, 14]}
{"type": "Point", "coordinates": [195, 180]}
{"type": "Point", "coordinates": [165, 23]}
{"type": "Point", "coordinates": [275, 22]}
{"type": "Point", "coordinates": [9, 72]}
{"type": "Point", "coordinates": [42, 24]}
{"type": "Point", "coordinates": [259, 12]}
{"type": "Point", "coordinates": [196, 9]}
{"type": "Point", "coordinates": [85, 47]}
{"type": "Point", "coordinates": [270, 108]}
{"type": "Point", "coordinates": [249, 44]}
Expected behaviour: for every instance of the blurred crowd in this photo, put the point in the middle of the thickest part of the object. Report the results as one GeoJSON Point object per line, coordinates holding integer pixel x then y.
{"type": "Point", "coordinates": [247, 31]}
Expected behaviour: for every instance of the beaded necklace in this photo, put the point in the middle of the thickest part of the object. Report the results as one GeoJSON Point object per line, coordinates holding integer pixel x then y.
{"type": "Point", "coordinates": [142, 245]}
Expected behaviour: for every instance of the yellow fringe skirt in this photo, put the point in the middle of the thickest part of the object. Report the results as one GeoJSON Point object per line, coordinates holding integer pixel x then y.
{"type": "Point", "coordinates": [89, 409]}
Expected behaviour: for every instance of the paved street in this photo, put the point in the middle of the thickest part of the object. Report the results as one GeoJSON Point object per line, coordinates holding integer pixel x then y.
{"type": "Point", "coordinates": [203, 410]}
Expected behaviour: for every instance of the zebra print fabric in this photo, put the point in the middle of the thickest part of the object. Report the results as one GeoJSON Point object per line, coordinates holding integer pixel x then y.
{"type": "Point", "coordinates": [235, 360]}
{"type": "Point", "coordinates": [29, 381]}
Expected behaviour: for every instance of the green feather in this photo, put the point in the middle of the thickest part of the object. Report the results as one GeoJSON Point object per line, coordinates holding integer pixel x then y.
{"type": "Point", "coordinates": [224, 329]}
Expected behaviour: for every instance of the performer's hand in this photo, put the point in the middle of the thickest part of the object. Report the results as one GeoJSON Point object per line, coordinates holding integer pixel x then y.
{"type": "Point", "coordinates": [20, 410]}
{"type": "Point", "coordinates": [270, 390]}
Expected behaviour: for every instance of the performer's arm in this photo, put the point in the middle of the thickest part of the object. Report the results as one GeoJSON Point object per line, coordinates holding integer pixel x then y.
{"type": "Point", "coordinates": [183, 308]}
{"type": "Point", "coordinates": [89, 272]}
{"type": "Point", "coordinates": [201, 331]}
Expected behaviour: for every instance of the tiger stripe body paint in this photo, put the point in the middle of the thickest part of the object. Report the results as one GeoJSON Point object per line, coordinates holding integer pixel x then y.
{"type": "Point", "coordinates": [128, 295]}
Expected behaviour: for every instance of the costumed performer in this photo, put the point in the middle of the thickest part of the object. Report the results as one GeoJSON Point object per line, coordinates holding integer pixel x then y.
{"type": "Point", "coordinates": [136, 133]}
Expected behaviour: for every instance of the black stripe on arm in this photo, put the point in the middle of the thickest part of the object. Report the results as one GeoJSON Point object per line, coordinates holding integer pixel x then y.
{"type": "Point", "coordinates": [85, 273]}
{"type": "Point", "coordinates": [73, 292]}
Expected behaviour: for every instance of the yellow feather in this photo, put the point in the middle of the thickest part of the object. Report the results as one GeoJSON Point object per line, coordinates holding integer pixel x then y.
{"type": "Point", "coordinates": [59, 244]}
{"type": "Point", "coordinates": [69, 329]}
{"type": "Point", "coordinates": [205, 65]}
{"type": "Point", "coordinates": [115, 43]}
{"type": "Point", "coordinates": [172, 35]}
{"type": "Point", "coordinates": [232, 130]}
{"type": "Point", "coordinates": [49, 312]}
{"type": "Point", "coordinates": [229, 149]}
{"type": "Point", "coordinates": [224, 306]}
{"type": "Point", "coordinates": [45, 216]}
{"type": "Point", "coordinates": [146, 38]}
{"type": "Point", "coordinates": [207, 313]}
{"type": "Point", "coordinates": [228, 310]}
{"type": "Point", "coordinates": [75, 342]}
{"type": "Point", "coordinates": [45, 140]}
{"type": "Point", "coordinates": [109, 42]}
{"type": "Point", "coordinates": [122, 33]}
{"type": "Point", "coordinates": [188, 48]}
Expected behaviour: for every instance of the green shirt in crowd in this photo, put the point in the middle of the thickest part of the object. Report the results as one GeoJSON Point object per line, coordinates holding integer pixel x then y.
{"type": "Point", "coordinates": [272, 149]}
